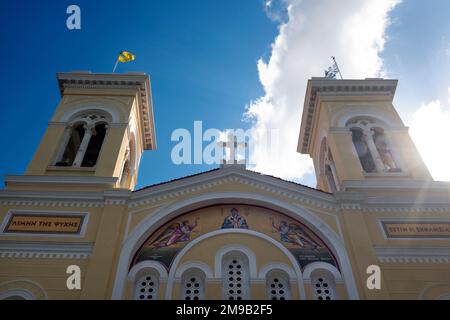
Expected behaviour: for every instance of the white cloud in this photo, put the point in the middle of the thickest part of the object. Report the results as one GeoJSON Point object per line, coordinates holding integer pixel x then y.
{"type": "Point", "coordinates": [351, 30]}
{"type": "Point", "coordinates": [430, 131]}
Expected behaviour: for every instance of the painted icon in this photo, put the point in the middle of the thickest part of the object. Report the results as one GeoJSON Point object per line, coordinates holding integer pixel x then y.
{"type": "Point", "coordinates": [175, 233]}
{"type": "Point", "coordinates": [295, 234]}
{"type": "Point", "coordinates": [234, 221]}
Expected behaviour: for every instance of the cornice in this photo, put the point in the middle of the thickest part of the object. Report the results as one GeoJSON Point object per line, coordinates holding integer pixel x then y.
{"type": "Point", "coordinates": [134, 81]}
{"type": "Point", "coordinates": [45, 250]}
{"type": "Point", "coordinates": [413, 255]}
{"type": "Point", "coordinates": [318, 87]}
{"type": "Point", "coordinates": [229, 175]}
{"type": "Point", "coordinates": [65, 180]}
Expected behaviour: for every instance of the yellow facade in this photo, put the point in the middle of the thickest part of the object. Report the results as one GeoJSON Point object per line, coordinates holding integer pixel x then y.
{"type": "Point", "coordinates": [375, 205]}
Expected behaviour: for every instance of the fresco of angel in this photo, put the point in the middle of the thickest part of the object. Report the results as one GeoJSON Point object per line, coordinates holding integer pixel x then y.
{"type": "Point", "coordinates": [295, 234]}
{"type": "Point", "coordinates": [177, 232]}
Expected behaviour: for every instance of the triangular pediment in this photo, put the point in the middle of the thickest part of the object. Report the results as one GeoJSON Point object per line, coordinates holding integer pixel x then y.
{"type": "Point", "coordinates": [247, 180]}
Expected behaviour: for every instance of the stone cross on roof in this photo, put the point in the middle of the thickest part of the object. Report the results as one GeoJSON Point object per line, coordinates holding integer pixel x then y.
{"type": "Point", "coordinates": [234, 146]}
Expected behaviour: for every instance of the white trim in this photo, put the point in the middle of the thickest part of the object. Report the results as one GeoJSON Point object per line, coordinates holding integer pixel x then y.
{"type": "Point", "coordinates": [228, 174]}
{"type": "Point", "coordinates": [396, 184]}
{"type": "Point", "coordinates": [11, 212]}
{"type": "Point", "coordinates": [21, 280]}
{"type": "Point", "coordinates": [413, 255]}
{"type": "Point", "coordinates": [45, 250]}
{"type": "Point", "coordinates": [239, 248]}
{"type": "Point", "coordinates": [162, 215]}
{"type": "Point", "coordinates": [277, 266]}
{"type": "Point", "coordinates": [75, 180]}
{"type": "Point", "coordinates": [194, 265]}
{"type": "Point", "coordinates": [223, 250]}
{"type": "Point", "coordinates": [148, 264]}
{"type": "Point", "coordinates": [320, 265]}
{"type": "Point", "coordinates": [342, 118]}
{"type": "Point", "coordinates": [73, 111]}
{"type": "Point", "coordinates": [27, 295]}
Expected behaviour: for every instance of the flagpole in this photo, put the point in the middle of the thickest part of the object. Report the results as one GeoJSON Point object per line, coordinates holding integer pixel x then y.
{"type": "Point", "coordinates": [339, 70]}
{"type": "Point", "coordinates": [115, 66]}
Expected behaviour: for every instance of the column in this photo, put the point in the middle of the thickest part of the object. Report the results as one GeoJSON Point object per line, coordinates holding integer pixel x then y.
{"type": "Point", "coordinates": [62, 147]}
{"type": "Point", "coordinates": [368, 138]}
{"type": "Point", "coordinates": [83, 146]}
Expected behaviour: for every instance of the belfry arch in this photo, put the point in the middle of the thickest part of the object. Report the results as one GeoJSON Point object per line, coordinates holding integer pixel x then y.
{"type": "Point", "coordinates": [150, 224]}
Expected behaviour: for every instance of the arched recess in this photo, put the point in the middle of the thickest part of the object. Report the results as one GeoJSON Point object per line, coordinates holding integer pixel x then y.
{"type": "Point", "coordinates": [22, 288]}
{"type": "Point", "coordinates": [148, 225]}
{"type": "Point", "coordinates": [111, 107]}
{"type": "Point", "coordinates": [440, 291]}
{"type": "Point", "coordinates": [174, 270]}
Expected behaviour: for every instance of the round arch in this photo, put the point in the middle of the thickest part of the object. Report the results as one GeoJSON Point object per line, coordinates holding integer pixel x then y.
{"type": "Point", "coordinates": [230, 248]}
{"type": "Point", "coordinates": [151, 223]}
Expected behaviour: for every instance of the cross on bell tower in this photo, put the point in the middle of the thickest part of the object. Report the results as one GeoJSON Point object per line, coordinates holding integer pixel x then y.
{"type": "Point", "coordinates": [234, 146]}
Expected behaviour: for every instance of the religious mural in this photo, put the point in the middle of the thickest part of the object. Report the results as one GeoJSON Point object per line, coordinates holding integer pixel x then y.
{"type": "Point", "coordinates": [234, 220]}
{"type": "Point", "coordinates": [165, 243]}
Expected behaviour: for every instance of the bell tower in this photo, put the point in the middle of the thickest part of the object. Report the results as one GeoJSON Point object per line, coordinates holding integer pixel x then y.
{"type": "Point", "coordinates": [355, 137]}
{"type": "Point", "coordinates": [96, 136]}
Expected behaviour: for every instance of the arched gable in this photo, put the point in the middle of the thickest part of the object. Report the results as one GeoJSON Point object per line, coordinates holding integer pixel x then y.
{"type": "Point", "coordinates": [165, 243]}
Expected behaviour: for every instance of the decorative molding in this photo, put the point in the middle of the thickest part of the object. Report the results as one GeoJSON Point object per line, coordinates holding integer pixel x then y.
{"type": "Point", "coordinates": [413, 255]}
{"type": "Point", "coordinates": [322, 87]}
{"type": "Point", "coordinates": [26, 288]}
{"type": "Point", "coordinates": [50, 198]}
{"type": "Point", "coordinates": [231, 174]}
{"type": "Point", "coordinates": [148, 265]}
{"type": "Point", "coordinates": [168, 211]}
{"type": "Point", "coordinates": [253, 276]}
{"type": "Point", "coordinates": [418, 209]}
{"type": "Point", "coordinates": [130, 81]}
{"type": "Point", "coordinates": [194, 265]}
{"type": "Point", "coordinates": [320, 265]}
{"type": "Point", "coordinates": [218, 259]}
{"type": "Point", "coordinates": [278, 267]}
{"type": "Point", "coordinates": [396, 184]}
{"type": "Point", "coordinates": [72, 180]}
{"type": "Point", "coordinates": [45, 250]}
{"type": "Point", "coordinates": [117, 197]}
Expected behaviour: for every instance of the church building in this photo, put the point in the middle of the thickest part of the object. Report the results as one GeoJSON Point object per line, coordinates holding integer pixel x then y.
{"type": "Point", "coordinates": [377, 226]}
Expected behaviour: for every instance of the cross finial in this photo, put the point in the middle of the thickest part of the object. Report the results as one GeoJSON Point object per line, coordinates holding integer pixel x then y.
{"type": "Point", "coordinates": [233, 145]}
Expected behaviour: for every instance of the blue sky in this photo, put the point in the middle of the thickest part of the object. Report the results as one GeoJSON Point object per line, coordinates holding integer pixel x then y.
{"type": "Point", "coordinates": [202, 58]}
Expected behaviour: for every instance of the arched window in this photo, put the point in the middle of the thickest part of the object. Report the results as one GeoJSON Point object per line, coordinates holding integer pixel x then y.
{"type": "Point", "coordinates": [83, 140]}
{"type": "Point", "coordinates": [328, 168]}
{"type": "Point", "coordinates": [193, 285]}
{"type": "Point", "coordinates": [146, 286]}
{"type": "Point", "coordinates": [125, 173]}
{"type": "Point", "coordinates": [236, 281]}
{"type": "Point", "coordinates": [129, 164]}
{"type": "Point", "coordinates": [323, 285]}
{"type": "Point", "coordinates": [372, 145]}
{"type": "Point", "coordinates": [76, 136]}
{"type": "Point", "coordinates": [277, 285]}
{"type": "Point", "coordinates": [364, 155]}
{"type": "Point", "coordinates": [94, 146]}
{"type": "Point", "coordinates": [383, 149]}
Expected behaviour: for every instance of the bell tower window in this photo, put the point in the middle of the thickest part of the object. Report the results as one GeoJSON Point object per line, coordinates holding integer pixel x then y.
{"type": "Point", "coordinates": [364, 155]}
{"type": "Point", "coordinates": [94, 146]}
{"type": "Point", "coordinates": [383, 149]}
{"type": "Point", "coordinates": [83, 141]}
{"type": "Point", "coordinates": [76, 136]}
{"type": "Point", "coordinates": [328, 168]}
{"type": "Point", "coordinates": [372, 146]}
